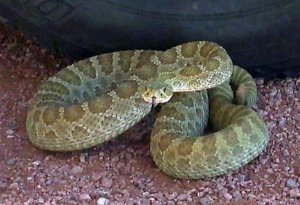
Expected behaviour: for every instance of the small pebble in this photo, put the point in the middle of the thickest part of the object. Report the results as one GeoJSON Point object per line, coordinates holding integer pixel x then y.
{"type": "Point", "coordinates": [295, 193]}
{"type": "Point", "coordinates": [96, 176]}
{"type": "Point", "coordinates": [76, 170]}
{"type": "Point", "coordinates": [259, 81]}
{"type": "Point", "coordinates": [36, 163]}
{"type": "Point", "coordinates": [106, 182]}
{"type": "Point", "coordinates": [145, 201]}
{"type": "Point", "coordinates": [182, 197]}
{"type": "Point", "coordinates": [9, 132]}
{"type": "Point", "coordinates": [85, 197]}
{"type": "Point", "coordinates": [282, 122]}
{"type": "Point", "coordinates": [273, 93]}
{"type": "Point", "coordinates": [102, 201]}
{"type": "Point", "coordinates": [29, 201]}
{"type": "Point", "coordinates": [73, 196]}
{"type": "Point", "coordinates": [49, 182]}
{"type": "Point", "coordinates": [206, 200]}
{"type": "Point", "coordinates": [227, 196]}
{"type": "Point", "coordinates": [14, 186]}
{"type": "Point", "coordinates": [251, 196]}
{"type": "Point", "coordinates": [125, 193]}
{"type": "Point", "coordinates": [292, 183]}
{"type": "Point", "coordinates": [41, 200]}
{"type": "Point", "coordinates": [82, 157]}
{"type": "Point", "coordinates": [10, 136]}
{"type": "Point", "coordinates": [237, 195]}
{"type": "Point", "coordinates": [11, 161]}
{"type": "Point", "coordinates": [3, 185]}
{"type": "Point", "coordinates": [101, 154]}
{"type": "Point", "coordinates": [172, 196]}
{"type": "Point", "coordinates": [241, 178]}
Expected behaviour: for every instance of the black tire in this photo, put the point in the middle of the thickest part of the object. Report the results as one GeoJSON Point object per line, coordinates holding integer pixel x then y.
{"type": "Point", "coordinates": [262, 36]}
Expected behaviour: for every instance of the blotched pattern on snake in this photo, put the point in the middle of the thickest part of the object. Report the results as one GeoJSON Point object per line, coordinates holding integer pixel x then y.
{"type": "Point", "coordinates": [98, 98]}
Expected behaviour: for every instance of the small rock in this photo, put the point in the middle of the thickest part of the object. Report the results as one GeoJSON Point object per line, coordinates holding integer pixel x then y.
{"type": "Point", "coordinates": [273, 93]}
{"type": "Point", "coordinates": [282, 122]}
{"type": "Point", "coordinates": [10, 136]}
{"type": "Point", "coordinates": [251, 196]}
{"type": "Point", "coordinates": [9, 132]}
{"type": "Point", "coordinates": [76, 170]}
{"type": "Point", "coordinates": [96, 176]}
{"type": "Point", "coordinates": [297, 117]}
{"type": "Point", "coordinates": [259, 81]}
{"type": "Point", "coordinates": [227, 196]}
{"type": "Point", "coordinates": [37, 162]}
{"type": "Point", "coordinates": [3, 185]}
{"type": "Point", "coordinates": [292, 183]}
{"type": "Point", "coordinates": [296, 166]}
{"type": "Point", "coordinates": [85, 197]}
{"type": "Point", "coordinates": [14, 185]}
{"type": "Point", "coordinates": [102, 201]}
{"type": "Point", "coordinates": [115, 159]}
{"type": "Point", "coordinates": [294, 193]}
{"type": "Point", "coordinates": [206, 200]}
{"type": "Point", "coordinates": [237, 195]}
{"type": "Point", "coordinates": [170, 202]}
{"type": "Point", "coordinates": [73, 196]}
{"type": "Point", "coordinates": [182, 197]}
{"type": "Point", "coordinates": [82, 157]}
{"type": "Point", "coordinates": [172, 196]}
{"type": "Point", "coordinates": [18, 179]}
{"type": "Point", "coordinates": [11, 161]}
{"type": "Point", "coordinates": [29, 201]}
{"type": "Point", "coordinates": [101, 192]}
{"type": "Point", "coordinates": [106, 182]}
{"type": "Point", "coordinates": [241, 178]}
{"type": "Point", "coordinates": [121, 182]}
{"type": "Point", "coordinates": [41, 200]}
{"type": "Point", "coordinates": [49, 182]}
{"type": "Point", "coordinates": [145, 201]}
{"type": "Point", "coordinates": [101, 154]}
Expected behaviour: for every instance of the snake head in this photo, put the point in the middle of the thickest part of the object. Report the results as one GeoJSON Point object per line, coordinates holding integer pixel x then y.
{"type": "Point", "coordinates": [157, 93]}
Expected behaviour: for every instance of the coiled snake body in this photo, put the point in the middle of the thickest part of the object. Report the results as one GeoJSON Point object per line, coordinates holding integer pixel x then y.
{"type": "Point", "coordinates": [96, 99]}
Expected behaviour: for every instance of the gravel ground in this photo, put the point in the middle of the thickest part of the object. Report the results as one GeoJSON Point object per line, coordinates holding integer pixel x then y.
{"type": "Point", "coordinates": [121, 171]}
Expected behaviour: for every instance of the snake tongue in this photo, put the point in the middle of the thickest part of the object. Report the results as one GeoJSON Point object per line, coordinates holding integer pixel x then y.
{"type": "Point", "coordinates": [153, 105]}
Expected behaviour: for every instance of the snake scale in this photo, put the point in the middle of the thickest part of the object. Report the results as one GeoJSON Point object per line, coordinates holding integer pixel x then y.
{"type": "Point", "coordinates": [98, 98]}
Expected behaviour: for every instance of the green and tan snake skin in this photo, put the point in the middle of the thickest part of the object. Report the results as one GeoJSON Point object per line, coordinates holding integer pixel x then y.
{"type": "Point", "coordinates": [96, 99]}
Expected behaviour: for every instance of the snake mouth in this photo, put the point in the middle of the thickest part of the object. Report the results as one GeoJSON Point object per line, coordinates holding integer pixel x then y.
{"type": "Point", "coordinates": [156, 100]}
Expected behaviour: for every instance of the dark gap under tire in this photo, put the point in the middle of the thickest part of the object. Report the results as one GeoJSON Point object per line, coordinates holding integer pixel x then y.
{"type": "Point", "coordinates": [261, 36]}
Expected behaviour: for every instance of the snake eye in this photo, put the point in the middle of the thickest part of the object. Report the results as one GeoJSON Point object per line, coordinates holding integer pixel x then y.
{"type": "Point", "coordinates": [164, 89]}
